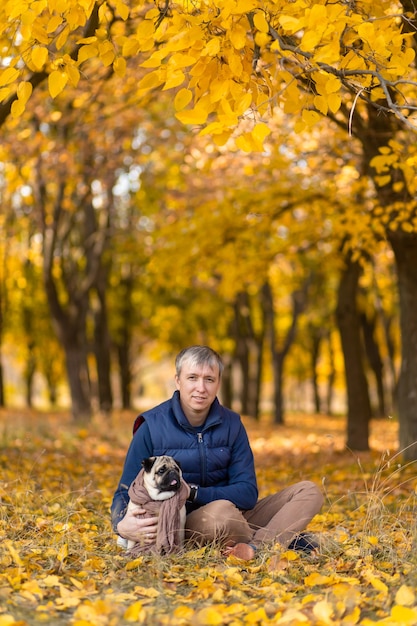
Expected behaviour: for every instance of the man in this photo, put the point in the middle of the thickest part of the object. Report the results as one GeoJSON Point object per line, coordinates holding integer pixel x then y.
{"type": "Point", "coordinates": [211, 444]}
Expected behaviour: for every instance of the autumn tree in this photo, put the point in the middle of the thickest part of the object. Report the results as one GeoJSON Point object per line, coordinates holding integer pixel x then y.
{"type": "Point", "coordinates": [232, 65]}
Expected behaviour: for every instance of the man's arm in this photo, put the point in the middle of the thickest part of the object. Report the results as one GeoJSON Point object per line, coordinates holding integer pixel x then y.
{"type": "Point", "coordinates": [241, 489]}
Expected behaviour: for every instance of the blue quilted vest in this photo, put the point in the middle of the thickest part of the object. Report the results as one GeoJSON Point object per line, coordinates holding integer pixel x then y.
{"type": "Point", "coordinates": [204, 452]}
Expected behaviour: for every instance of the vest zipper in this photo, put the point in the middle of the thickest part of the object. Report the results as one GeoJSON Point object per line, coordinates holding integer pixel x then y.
{"type": "Point", "coordinates": [202, 458]}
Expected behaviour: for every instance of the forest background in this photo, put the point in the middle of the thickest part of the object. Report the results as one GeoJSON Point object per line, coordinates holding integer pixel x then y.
{"type": "Point", "coordinates": [235, 173]}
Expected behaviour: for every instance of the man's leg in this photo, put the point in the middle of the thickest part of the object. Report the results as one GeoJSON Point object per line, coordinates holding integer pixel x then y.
{"type": "Point", "coordinates": [219, 520]}
{"type": "Point", "coordinates": [281, 516]}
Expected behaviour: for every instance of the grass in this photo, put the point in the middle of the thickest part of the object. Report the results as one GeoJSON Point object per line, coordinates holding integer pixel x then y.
{"type": "Point", "coordinates": [59, 563]}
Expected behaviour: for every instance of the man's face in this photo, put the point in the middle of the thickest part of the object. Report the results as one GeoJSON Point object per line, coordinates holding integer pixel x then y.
{"type": "Point", "coordinates": [198, 386]}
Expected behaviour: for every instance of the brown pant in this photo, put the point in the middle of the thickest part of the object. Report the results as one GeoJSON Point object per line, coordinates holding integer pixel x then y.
{"type": "Point", "coordinates": [279, 517]}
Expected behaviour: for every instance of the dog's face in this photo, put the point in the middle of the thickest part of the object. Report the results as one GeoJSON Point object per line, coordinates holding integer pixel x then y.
{"type": "Point", "coordinates": [162, 476]}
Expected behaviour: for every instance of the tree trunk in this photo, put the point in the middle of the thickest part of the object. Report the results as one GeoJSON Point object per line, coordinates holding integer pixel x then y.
{"type": "Point", "coordinates": [226, 388]}
{"type": "Point", "coordinates": [30, 369]}
{"type": "Point", "coordinates": [78, 377]}
{"type": "Point", "coordinates": [331, 377]}
{"type": "Point", "coordinates": [375, 360]}
{"type": "Point", "coordinates": [404, 246]}
{"type": "Point", "coordinates": [248, 353]}
{"type": "Point", "coordinates": [125, 375]}
{"type": "Point", "coordinates": [316, 337]}
{"type": "Point", "coordinates": [102, 349]}
{"type": "Point", "coordinates": [278, 355]}
{"type": "Point", "coordinates": [359, 408]}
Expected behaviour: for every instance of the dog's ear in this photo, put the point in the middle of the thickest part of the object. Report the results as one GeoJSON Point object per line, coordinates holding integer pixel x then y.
{"type": "Point", "coordinates": [148, 463]}
{"type": "Point", "coordinates": [178, 463]}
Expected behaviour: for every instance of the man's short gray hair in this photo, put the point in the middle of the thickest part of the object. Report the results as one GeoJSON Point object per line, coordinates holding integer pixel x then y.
{"type": "Point", "coordinates": [199, 355]}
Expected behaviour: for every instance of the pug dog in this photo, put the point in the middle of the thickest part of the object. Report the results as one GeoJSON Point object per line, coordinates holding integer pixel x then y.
{"type": "Point", "coordinates": [160, 480]}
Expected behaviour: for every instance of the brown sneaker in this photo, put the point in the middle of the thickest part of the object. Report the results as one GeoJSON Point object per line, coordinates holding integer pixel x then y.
{"type": "Point", "coordinates": [243, 551]}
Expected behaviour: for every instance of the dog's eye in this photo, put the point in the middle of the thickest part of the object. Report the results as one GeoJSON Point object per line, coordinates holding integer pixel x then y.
{"type": "Point", "coordinates": [162, 470]}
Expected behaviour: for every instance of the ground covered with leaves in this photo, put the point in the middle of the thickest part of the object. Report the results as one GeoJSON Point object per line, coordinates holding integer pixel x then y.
{"type": "Point", "coordinates": [59, 563]}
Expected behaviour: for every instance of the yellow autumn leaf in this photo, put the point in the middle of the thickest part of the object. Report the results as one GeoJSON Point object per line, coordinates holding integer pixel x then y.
{"type": "Point", "coordinates": [134, 613]}
{"type": "Point", "coordinates": [317, 579]}
{"type": "Point", "coordinates": [150, 81]}
{"type": "Point", "coordinates": [184, 613]}
{"type": "Point", "coordinates": [334, 102]}
{"type": "Point", "coordinates": [182, 99]}
{"type": "Point", "coordinates": [7, 620]}
{"type": "Point", "coordinates": [245, 142]}
{"type": "Point", "coordinates": [61, 40]}
{"type": "Point", "coordinates": [330, 53]}
{"type": "Point", "coordinates": [372, 540]}
{"type": "Point", "coordinates": [119, 66]}
{"type": "Point", "coordinates": [290, 24]}
{"type": "Point", "coordinates": [321, 104]}
{"type": "Point", "coordinates": [257, 617]}
{"type": "Point", "coordinates": [219, 89]}
{"type": "Point", "coordinates": [24, 91]}
{"type": "Point", "coordinates": [243, 104]}
{"type": "Point", "coordinates": [376, 583]}
{"type": "Point", "coordinates": [18, 107]}
{"type": "Point", "coordinates": [181, 60]}
{"type": "Point", "coordinates": [122, 9]}
{"type": "Point", "coordinates": [87, 52]}
{"type": "Point", "coordinates": [317, 17]}
{"type": "Point", "coordinates": [237, 37]}
{"type": "Point", "coordinates": [14, 553]}
{"type": "Point", "coordinates": [310, 117]}
{"type": "Point", "coordinates": [310, 39]}
{"type": "Point", "coordinates": [145, 29]}
{"type": "Point", "coordinates": [333, 84]}
{"type": "Point", "coordinates": [260, 22]}
{"type": "Point", "coordinates": [56, 82]}
{"type": "Point", "coordinates": [209, 617]}
{"type": "Point", "coordinates": [192, 116]}
{"type": "Point", "coordinates": [215, 128]}
{"type": "Point", "coordinates": [404, 615]}
{"type": "Point", "coordinates": [106, 53]}
{"type": "Point", "coordinates": [62, 553]}
{"type": "Point", "coordinates": [53, 23]}
{"type": "Point", "coordinates": [220, 139]}
{"type": "Point", "coordinates": [73, 74]}
{"type": "Point", "coordinates": [39, 56]}
{"type": "Point", "coordinates": [174, 79]}
{"type": "Point", "coordinates": [349, 619]}
{"type": "Point", "coordinates": [212, 47]}
{"type": "Point", "coordinates": [39, 33]}
{"type": "Point", "coordinates": [405, 596]}
{"type": "Point", "coordinates": [244, 6]}
{"type": "Point", "coordinates": [130, 47]}
{"type": "Point", "coordinates": [148, 592]}
{"type": "Point", "coordinates": [9, 75]}
{"type": "Point", "coordinates": [323, 611]}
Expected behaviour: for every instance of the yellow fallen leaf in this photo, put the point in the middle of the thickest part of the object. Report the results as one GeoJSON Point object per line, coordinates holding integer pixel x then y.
{"type": "Point", "coordinates": [405, 596]}
{"type": "Point", "coordinates": [62, 553]}
{"type": "Point", "coordinates": [403, 615]}
{"type": "Point", "coordinates": [184, 613]}
{"type": "Point", "coordinates": [209, 617]}
{"type": "Point", "coordinates": [134, 613]}
{"type": "Point", "coordinates": [148, 592]}
{"type": "Point", "coordinates": [317, 579]}
{"type": "Point", "coordinates": [352, 618]}
{"type": "Point", "coordinates": [323, 610]}
{"type": "Point", "coordinates": [14, 554]}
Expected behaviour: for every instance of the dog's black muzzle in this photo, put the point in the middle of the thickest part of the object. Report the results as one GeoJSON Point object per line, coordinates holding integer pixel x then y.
{"type": "Point", "coordinates": [171, 481]}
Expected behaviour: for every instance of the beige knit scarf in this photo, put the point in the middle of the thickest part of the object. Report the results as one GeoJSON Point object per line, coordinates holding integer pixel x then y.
{"type": "Point", "coordinates": [168, 538]}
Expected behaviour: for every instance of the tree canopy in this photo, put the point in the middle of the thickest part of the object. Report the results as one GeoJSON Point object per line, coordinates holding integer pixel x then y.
{"type": "Point", "coordinates": [282, 131]}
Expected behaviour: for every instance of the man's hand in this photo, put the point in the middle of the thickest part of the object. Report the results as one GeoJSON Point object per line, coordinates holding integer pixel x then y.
{"type": "Point", "coordinates": [138, 529]}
